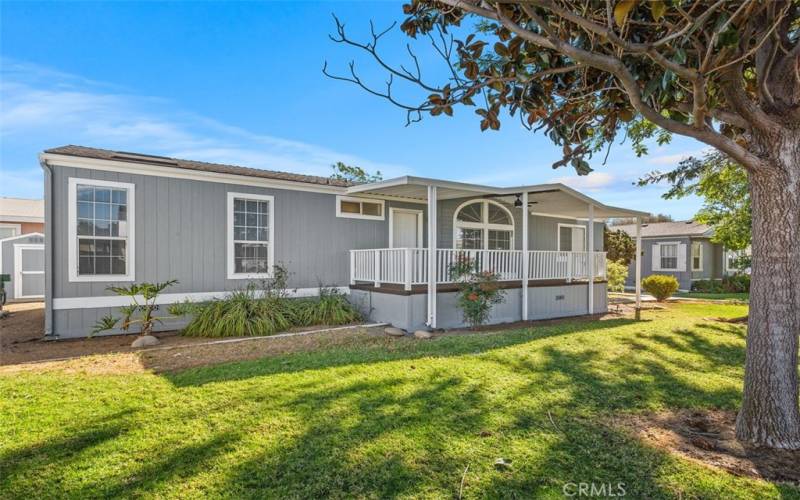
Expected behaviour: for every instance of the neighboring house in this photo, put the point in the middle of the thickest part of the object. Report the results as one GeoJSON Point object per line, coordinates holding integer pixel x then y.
{"type": "Point", "coordinates": [20, 216]}
{"type": "Point", "coordinates": [114, 218]}
{"type": "Point", "coordinates": [22, 248]}
{"type": "Point", "coordinates": [680, 249]}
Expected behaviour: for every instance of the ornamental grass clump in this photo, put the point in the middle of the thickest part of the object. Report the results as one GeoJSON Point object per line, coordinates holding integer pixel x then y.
{"type": "Point", "coordinates": [478, 291]}
{"type": "Point", "coordinates": [264, 308]}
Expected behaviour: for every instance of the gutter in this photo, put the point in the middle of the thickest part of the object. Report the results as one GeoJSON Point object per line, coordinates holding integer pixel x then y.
{"type": "Point", "coordinates": [48, 249]}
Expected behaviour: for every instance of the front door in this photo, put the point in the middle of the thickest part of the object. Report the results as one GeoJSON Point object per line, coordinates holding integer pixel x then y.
{"type": "Point", "coordinates": [406, 228]}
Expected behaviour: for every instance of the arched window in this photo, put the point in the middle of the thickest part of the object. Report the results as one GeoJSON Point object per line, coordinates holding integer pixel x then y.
{"type": "Point", "coordinates": [483, 224]}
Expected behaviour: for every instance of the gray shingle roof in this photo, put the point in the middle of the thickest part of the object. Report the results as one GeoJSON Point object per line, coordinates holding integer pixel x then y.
{"type": "Point", "coordinates": [106, 154]}
{"type": "Point", "coordinates": [658, 229]}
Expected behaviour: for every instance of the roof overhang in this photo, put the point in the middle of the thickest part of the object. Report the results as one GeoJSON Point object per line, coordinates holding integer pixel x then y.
{"type": "Point", "coordinates": [554, 199]}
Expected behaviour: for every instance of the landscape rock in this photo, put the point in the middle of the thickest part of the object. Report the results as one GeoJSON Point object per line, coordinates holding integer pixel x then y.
{"type": "Point", "coordinates": [145, 341]}
{"type": "Point", "coordinates": [423, 334]}
{"type": "Point", "coordinates": [394, 332]}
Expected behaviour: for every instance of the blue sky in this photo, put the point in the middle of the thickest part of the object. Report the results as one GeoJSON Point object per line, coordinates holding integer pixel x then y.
{"type": "Point", "coordinates": [241, 83]}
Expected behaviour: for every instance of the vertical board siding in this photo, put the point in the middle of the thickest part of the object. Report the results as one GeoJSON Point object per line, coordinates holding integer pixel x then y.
{"type": "Point", "coordinates": [181, 233]}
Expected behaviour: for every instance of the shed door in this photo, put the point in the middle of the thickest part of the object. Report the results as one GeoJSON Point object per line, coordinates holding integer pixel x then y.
{"type": "Point", "coordinates": [29, 271]}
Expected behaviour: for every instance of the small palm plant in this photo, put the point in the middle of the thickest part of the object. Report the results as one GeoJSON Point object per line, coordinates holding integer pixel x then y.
{"type": "Point", "coordinates": [143, 297]}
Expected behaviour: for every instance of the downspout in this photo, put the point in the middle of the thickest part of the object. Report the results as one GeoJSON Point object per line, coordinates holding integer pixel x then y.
{"type": "Point", "coordinates": [48, 249]}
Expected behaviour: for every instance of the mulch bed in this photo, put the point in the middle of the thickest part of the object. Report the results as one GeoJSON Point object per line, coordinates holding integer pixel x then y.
{"type": "Point", "coordinates": [21, 342]}
{"type": "Point", "coordinates": [708, 437]}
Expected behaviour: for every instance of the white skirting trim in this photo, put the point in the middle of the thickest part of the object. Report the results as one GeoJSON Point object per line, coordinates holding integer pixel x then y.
{"type": "Point", "coordinates": [168, 298]}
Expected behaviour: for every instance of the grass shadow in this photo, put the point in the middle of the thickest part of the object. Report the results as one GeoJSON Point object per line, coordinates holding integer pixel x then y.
{"type": "Point", "coordinates": [384, 350]}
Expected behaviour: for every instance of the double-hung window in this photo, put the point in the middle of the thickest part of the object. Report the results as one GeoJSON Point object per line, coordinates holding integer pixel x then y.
{"type": "Point", "coordinates": [101, 230]}
{"type": "Point", "coordinates": [669, 256]}
{"type": "Point", "coordinates": [250, 235]}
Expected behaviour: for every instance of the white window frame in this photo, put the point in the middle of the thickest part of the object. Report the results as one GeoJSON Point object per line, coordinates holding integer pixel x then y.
{"type": "Point", "coordinates": [661, 245]}
{"type": "Point", "coordinates": [232, 275]}
{"type": "Point", "coordinates": [354, 199]}
{"type": "Point", "coordinates": [16, 227]}
{"type": "Point", "coordinates": [418, 213]}
{"type": "Point", "coordinates": [484, 226]}
{"type": "Point", "coordinates": [692, 256]}
{"type": "Point", "coordinates": [18, 272]}
{"type": "Point", "coordinates": [573, 226]}
{"type": "Point", "coordinates": [72, 224]}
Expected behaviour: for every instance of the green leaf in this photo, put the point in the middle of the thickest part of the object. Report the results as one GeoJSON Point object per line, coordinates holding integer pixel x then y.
{"type": "Point", "coordinates": [622, 9]}
{"type": "Point", "coordinates": [658, 8]}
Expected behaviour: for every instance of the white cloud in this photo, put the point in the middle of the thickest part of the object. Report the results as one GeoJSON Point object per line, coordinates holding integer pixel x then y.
{"type": "Point", "coordinates": [592, 182]}
{"type": "Point", "coordinates": [56, 108]}
{"type": "Point", "coordinates": [674, 159]}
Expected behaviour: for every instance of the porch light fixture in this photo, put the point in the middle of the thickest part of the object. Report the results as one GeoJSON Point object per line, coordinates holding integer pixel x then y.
{"type": "Point", "coordinates": [518, 202]}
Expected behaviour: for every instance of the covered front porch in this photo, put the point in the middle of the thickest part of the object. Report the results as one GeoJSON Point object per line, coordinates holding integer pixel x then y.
{"type": "Point", "coordinates": [542, 236]}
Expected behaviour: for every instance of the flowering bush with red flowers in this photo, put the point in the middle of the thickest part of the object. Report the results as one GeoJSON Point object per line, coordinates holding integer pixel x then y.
{"type": "Point", "coordinates": [478, 290]}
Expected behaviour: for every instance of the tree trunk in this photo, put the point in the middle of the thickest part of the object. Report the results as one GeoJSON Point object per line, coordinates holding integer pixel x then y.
{"type": "Point", "coordinates": [769, 415]}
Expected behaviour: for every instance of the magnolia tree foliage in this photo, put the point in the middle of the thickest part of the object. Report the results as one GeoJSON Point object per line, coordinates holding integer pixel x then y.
{"type": "Point", "coordinates": [589, 72]}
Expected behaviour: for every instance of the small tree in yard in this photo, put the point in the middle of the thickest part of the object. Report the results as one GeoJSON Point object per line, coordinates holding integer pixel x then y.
{"type": "Point", "coordinates": [619, 246]}
{"type": "Point", "coordinates": [478, 291]}
{"type": "Point", "coordinates": [726, 73]}
{"type": "Point", "coordinates": [616, 273]}
{"type": "Point", "coordinates": [137, 312]}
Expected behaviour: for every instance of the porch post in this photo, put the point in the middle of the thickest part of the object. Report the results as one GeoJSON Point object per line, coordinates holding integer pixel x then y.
{"type": "Point", "coordinates": [638, 265]}
{"type": "Point", "coordinates": [525, 256]}
{"type": "Point", "coordinates": [590, 257]}
{"type": "Point", "coordinates": [432, 195]}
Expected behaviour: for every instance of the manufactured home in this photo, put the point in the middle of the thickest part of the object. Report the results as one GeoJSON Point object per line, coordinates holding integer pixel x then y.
{"type": "Point", "coordinates": [22, 249]}
{"type": "Point", "coordinates": [681, 249]}
{"type": "Point", "coordinates": [115, 218]}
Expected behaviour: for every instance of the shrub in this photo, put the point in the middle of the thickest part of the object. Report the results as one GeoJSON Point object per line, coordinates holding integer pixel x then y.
{"type": "Point", "coordinates": [737, 283]}
{"type": "Point", "coordinates": [660, 286]}
{"type": "Point", "coordinates": [478, 291]}
{"type": "Point", "coordinates": [707, 286]}
{"type": "Point", "coordinates": [616, 274]}
{"type": "Point", "coordinates": [144, 309]}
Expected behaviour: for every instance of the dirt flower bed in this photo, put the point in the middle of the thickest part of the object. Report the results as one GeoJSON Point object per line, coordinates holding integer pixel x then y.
{"type": "Point", "coordinates": [708, 437]}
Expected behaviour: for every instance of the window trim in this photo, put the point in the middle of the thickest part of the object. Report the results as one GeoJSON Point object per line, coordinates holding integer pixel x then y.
{"type": "Point", "coordinates": [574, 226]}
{"type": "Point", "coordinates": [355, 199]}
{"type": "Point", "coordinates": [484, 226]}
{"type": "Point", "coordinates": [691, 255]}
{"type": "Point", "coordinates": [16, 227]}
{"type": "Point", "coordinates": [72, 225]}
{"type": "Point", "coordinates": [661, 246]}
{"type": "Point", "coordinates": [270, 244]}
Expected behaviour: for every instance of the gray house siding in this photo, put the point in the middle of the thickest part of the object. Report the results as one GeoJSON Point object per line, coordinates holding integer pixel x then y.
{"type": "Point", "coordinates": [181, 232]}
{"type": "Point", "coordinates": [7, 265]}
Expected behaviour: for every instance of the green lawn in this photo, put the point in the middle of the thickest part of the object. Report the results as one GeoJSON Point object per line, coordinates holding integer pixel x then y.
{"type": "Point", "coordinates": [387, 418]}
{"type": "Point", "coordinates": [714, 296]}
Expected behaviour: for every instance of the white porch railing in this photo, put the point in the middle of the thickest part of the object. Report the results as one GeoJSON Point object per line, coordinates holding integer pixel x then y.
{"type": "Point", "coordinates": [409, 266]}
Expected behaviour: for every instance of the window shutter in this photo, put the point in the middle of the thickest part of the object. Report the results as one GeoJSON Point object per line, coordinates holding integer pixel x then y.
{"type": "Point", "coordinates": [682, 257]}
{"type": "Point", "coordinates": [656, 257]}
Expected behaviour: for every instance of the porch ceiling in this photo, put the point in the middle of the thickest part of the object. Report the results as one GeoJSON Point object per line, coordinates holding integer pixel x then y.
{"type": "Point", "coordinates": [551, 199]}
